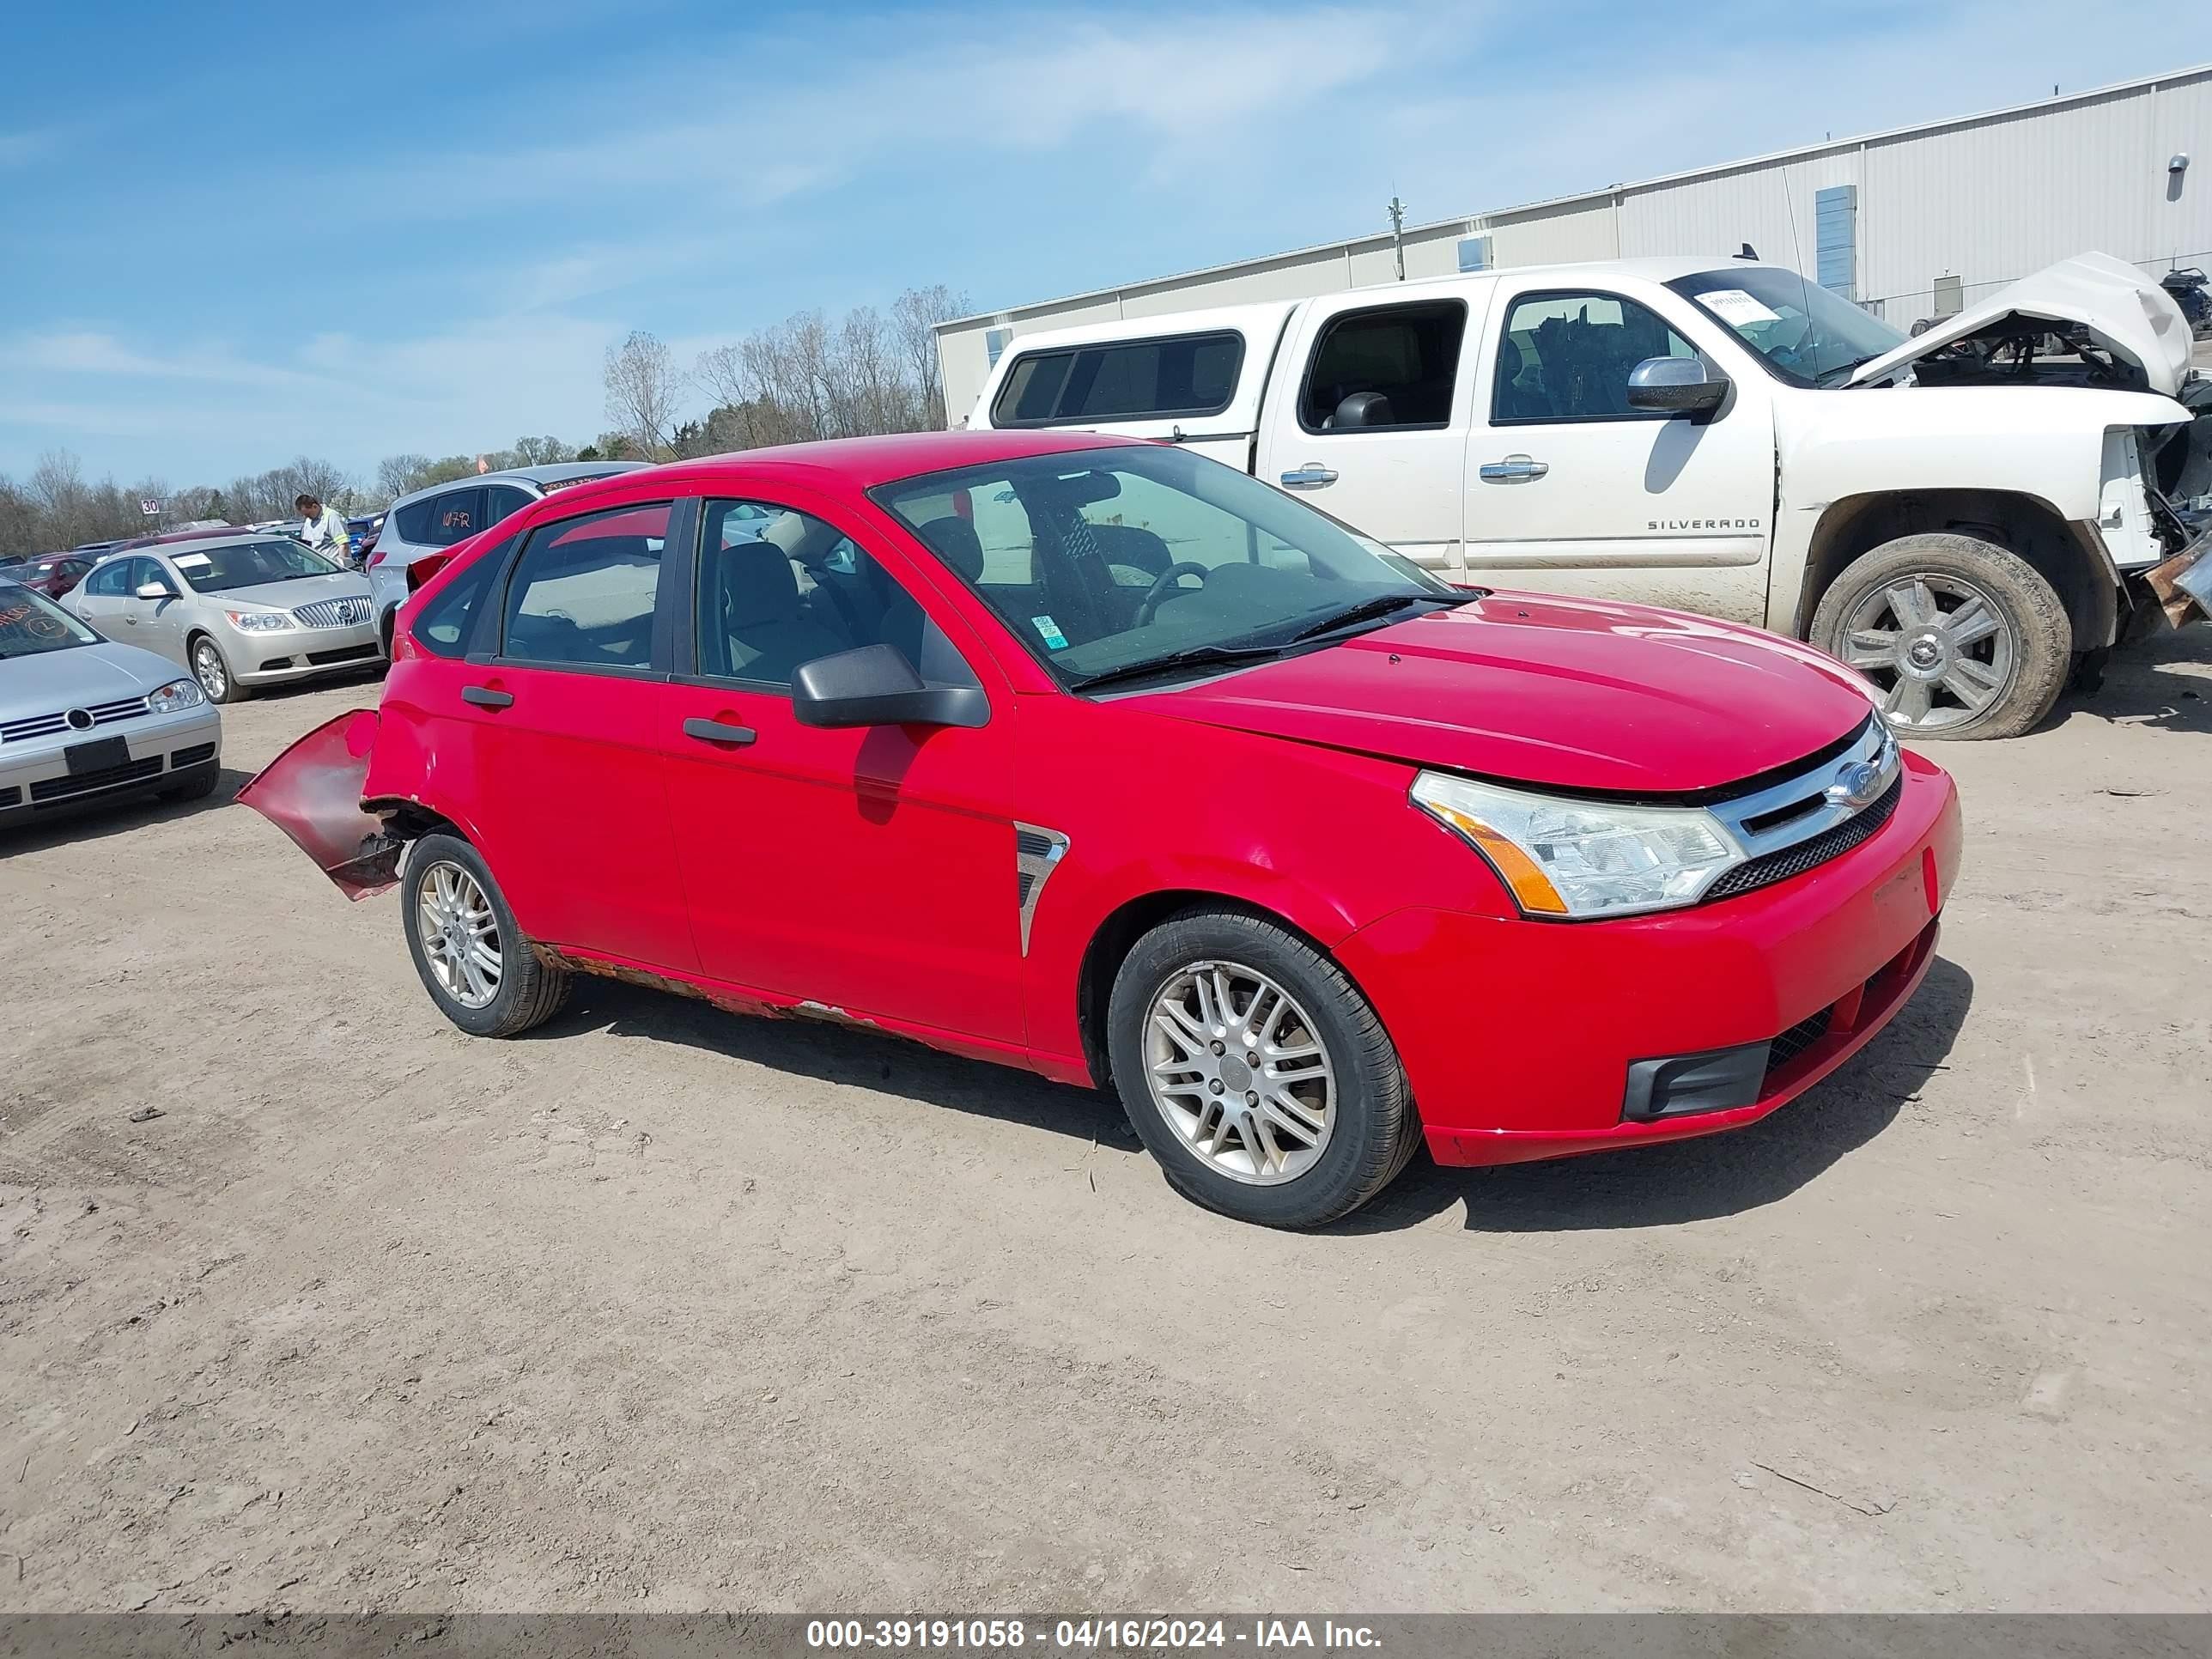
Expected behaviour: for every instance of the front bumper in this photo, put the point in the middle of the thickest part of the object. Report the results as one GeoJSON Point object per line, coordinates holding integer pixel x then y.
{"type": "Point", "coordinates": [298, 654]}
{"type": "Point", "coordinates": [1530, 1039]}
{"type": "Point", "coordinates": [164, 750]}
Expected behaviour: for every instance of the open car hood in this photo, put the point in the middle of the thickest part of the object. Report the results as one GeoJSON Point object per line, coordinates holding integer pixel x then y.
{"type": "Point", "coordinates": [2127, 313]}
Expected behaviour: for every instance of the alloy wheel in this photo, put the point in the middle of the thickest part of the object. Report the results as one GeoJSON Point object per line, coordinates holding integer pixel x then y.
{"type": "Point", "coordinates": [460, 934]}
{"type": "Point", "coordinates": [1237, 1069]}
{"type": "Point", "coordinates": [213, 674]}
{"type": "Point", "coordinates": [1937, 647]}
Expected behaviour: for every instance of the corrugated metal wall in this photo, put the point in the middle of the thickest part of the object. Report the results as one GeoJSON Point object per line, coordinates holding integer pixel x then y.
{"type": "Point", "coordinates": [1985, 199]}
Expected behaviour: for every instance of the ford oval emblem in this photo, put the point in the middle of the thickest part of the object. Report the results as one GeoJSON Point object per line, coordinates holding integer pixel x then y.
{"type": "Point", "coordinates": [1856, 784]}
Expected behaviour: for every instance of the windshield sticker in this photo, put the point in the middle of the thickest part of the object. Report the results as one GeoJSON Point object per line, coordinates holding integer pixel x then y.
{"type": "Point", "coordinates": [1048, 631]}
{"type": "Point", "coordinates": [1737, 308]}
{"type": "Point", "coordinates": [193, 562]}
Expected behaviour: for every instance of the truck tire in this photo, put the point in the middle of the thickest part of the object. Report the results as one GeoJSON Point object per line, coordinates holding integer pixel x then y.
{"type": "Point", "coordinates": [1962, 638]}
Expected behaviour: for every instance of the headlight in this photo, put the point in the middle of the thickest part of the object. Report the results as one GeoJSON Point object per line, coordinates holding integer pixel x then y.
{"type": "Point", "coordinates": [176, 695]}
{"type": "Point", "coordinates": [259, 622]}
{"type": "Point", "coordinates": [1578, 858]}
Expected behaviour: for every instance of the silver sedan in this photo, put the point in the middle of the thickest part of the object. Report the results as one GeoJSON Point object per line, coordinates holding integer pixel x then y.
{"type": "Point", "coordinates": [83, 719]}
{"type": "Point", "coordinates": [239, 612]}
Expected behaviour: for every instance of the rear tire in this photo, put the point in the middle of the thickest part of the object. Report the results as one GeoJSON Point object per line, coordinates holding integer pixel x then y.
{"type": "Point", "coordinates": [1963, 638]}
{"type": "Point", "coordinates": [1208, 981]}
{"type": "Point", "coordinates": [453, 912]}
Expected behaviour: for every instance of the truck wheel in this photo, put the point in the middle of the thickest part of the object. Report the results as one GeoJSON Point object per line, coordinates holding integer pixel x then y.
{"type": "Point", "coordinates": [1255, 1072]}
{"type": "Point", "coordinates": [473, 960]}
{"type": "Point", "coordinates": [1962, 638]}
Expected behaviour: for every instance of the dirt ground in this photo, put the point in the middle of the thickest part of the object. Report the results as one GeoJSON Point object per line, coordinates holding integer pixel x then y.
{"type": "Point", "coordinates": [666, 1309]}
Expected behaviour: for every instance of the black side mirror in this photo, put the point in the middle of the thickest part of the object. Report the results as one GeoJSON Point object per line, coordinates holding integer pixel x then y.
{"type": "Point", "coordinates": [1679, 386]}
{"type": "Point", "coordinates": [876, 685]}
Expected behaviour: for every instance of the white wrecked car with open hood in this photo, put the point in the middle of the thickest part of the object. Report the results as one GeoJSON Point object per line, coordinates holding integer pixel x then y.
{"type": "Point", "coordinates": [1967, 517]}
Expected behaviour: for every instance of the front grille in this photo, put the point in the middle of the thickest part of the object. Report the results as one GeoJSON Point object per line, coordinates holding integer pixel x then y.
{"type": "Point", "coordinates": [350, 653]}
{"type": "Point", "coordinates": [86, 783]}
{"type": "Point", "coordinates": [11, 796]}
{"type": "Point", "coordinates": [1798, 1039]}
{"type": "Point", "coordinates": [1807, 854]}
{"type": "Point", "coordinates": [47, 725]}
{"type": "Point", "coordinates": [334, 613]}
{"type": "Point", "coordinates": [192, 756]}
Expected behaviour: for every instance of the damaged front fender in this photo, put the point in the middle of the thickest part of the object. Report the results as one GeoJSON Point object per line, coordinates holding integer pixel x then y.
{"type": "Point", "coordinates": [312, 791]}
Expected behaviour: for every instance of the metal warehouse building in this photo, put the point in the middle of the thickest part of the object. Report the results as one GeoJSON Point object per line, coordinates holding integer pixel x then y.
{"type": "Point", "coordinates": [1910, 223]}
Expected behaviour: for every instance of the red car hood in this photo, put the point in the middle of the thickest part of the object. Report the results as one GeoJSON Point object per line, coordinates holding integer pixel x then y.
{"type": "Point", "coordinates": [1568, 693]}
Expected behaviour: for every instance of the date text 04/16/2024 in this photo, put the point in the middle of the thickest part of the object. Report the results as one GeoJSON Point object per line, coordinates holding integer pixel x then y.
{"type": "Point", "coordinates": [1092, 1634]}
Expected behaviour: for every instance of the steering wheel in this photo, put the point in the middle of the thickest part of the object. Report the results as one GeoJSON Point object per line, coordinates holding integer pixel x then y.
{"type": "Point", "coordinates": [1164, 583]}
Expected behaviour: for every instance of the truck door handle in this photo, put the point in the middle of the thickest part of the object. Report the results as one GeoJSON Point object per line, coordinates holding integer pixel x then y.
{"type": "Point", "coordinates": [715, 732]}
{"type": "Point", "coordinates": [1312, 476]}
{"type": "Point", "coordinates": [1514, 467]}
{"type": "Point", "coordinates": [484, 697]}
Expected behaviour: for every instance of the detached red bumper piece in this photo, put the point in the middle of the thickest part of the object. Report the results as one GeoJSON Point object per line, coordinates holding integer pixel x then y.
{"type": "Point", "coordinates": [1567, 1037]}
{"type": "Point", "coordinates": [311, 792]}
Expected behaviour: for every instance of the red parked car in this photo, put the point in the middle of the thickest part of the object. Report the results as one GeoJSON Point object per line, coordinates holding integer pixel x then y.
{"type": "Point", "coordinates": [51, 574]}
{"type": "Point", "coordinates": [1103, 759]}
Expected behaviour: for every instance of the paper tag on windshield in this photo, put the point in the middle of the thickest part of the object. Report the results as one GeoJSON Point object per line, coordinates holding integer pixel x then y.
{"type": "Point", "coordinates": [1736, 309]}
{"type": "Point", "coordinates": [1048, 631]}
{"type": "Point", "coordinates": [193, 562]}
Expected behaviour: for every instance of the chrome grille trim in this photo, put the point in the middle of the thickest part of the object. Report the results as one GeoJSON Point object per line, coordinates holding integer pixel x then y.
{"type": "Point", "coordinates": [47, 725]}
{"type": "Point", "coordinates": [1807, 791]}
{"type": "Point", "coordinates": [1037, 853]}
{"type": "Point", "coordinates": [1812, 807]}
{"type": "Point", "coordinates": [334, 613]}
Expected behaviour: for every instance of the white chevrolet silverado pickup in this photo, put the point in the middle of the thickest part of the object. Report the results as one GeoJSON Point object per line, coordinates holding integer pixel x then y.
{"type": "Point", "coordinates": [1965, 517]}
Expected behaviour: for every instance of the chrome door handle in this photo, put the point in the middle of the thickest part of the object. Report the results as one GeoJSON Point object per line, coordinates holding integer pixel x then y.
{"type": "Point", "coordinates": [715, 732]}
{"type": "Point", "coordinates": [484, 697]}
{"type": "Point", "coordinates": [1514, 467]}
{"type": "Point", "coordinates": [1312, 476]}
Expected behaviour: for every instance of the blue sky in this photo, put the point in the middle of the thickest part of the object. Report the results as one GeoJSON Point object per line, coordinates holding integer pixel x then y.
{"type": "Point", "coordinates": [232, 234]}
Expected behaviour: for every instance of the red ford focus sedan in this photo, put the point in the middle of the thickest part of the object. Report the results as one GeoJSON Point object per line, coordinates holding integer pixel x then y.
{"type": "Point", "coordinates": [1104, 760]}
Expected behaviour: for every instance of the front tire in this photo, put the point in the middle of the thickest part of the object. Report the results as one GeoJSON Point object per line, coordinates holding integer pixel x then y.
{"type": "Point", "coordinates": [475, 962]}
{"type": "Point", "coordinates": [1255, 1072]}
{"type": "Point", "coordinates": [212, 669]}
{"type": "Point", "coordinates": [1963, 638]}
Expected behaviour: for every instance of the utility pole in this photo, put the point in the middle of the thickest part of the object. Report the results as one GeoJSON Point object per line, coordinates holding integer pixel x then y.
{"type": "Point", "coordinates": [1398, 234]}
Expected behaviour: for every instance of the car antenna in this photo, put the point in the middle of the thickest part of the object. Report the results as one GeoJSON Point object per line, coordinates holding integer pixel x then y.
{"type": "Point", "coordinates": [1747, 252]}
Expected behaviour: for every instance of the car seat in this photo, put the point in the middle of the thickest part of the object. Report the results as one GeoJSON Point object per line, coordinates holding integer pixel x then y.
{"type": "Point", "coordinates": [768, 627]}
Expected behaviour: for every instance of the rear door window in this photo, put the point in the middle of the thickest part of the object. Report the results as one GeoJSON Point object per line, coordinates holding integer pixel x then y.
{"type": "Point", "coordinates": [1181, 375]}
{"type": "Point", "coordinates": [502, 501]}
{"type": "Point", "coordinates": [584, 591]}
{"type": "Point", "coordinates": [1403, 358]}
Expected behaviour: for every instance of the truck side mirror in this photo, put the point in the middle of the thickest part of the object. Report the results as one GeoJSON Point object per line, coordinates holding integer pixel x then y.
{"type": "Point", "coordinates": [876, 685]}
{"type": "Point", "coordinates": [1677, 385]}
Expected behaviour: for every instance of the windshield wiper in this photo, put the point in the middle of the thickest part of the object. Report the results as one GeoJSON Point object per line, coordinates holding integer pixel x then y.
{"type": "Point", "coordinates": [1367, 610]}
{"type": "Point", "coordinates": [1843, 372]}
{"type": "Point", "coordinates": [1196, 657]}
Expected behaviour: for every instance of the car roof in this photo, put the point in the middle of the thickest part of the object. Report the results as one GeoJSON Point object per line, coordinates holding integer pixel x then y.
{"type": "Point", "coordinates": [867, 461]}
{"type": "Point", "coordinates": [205, 533]}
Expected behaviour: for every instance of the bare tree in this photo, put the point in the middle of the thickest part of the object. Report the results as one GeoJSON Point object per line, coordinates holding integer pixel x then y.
{"type": "Point", "coordinates": [642, 392]}
{"type": "Point", "coordinates": [915, 316]}
{"type": "Point", "coordinates": [395, 475]}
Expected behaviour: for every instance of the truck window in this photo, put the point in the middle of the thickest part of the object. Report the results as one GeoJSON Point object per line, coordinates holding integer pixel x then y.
{"type": "Point", "coordinates": [1404, 359]}
{"type": "Point", "coordinates": [1567, 357]}
{"type": "Point", "coordinates": [1177, 377]}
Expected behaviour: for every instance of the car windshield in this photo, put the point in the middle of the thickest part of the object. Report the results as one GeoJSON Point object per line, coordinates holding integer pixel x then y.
{"type": "Point", "coordinates": [32, 624]}
{"type": "Point", "coordinates": [1803, 333]}
{"type": "Point", "coordinates": [1107, 563]}
{"type": "Point", "coordinates": [248, 564]}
